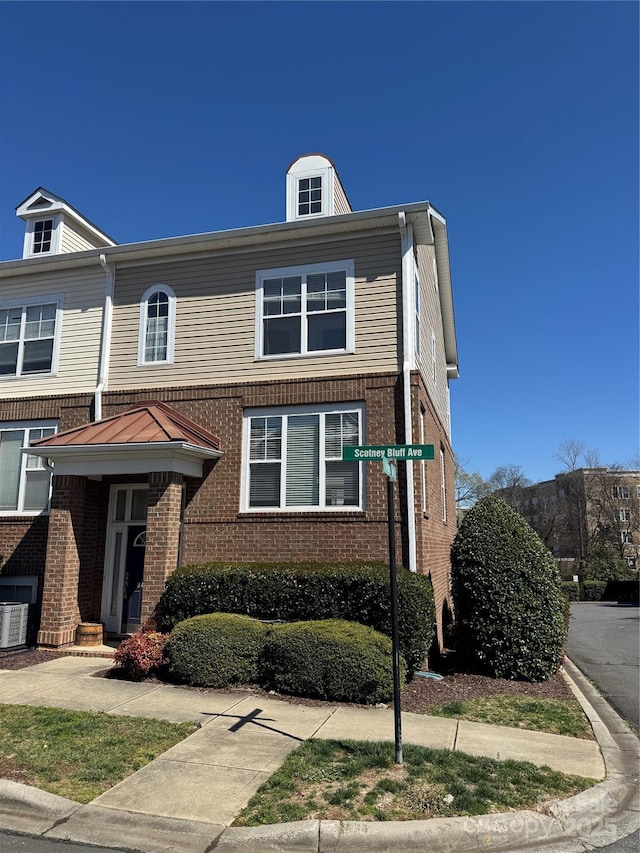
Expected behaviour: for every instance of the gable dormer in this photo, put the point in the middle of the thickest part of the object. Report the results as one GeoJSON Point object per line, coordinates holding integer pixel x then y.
{"type": "Point", "coordinates": [53, 227]}
{"type": "Point", "coordinates": [314, 189]}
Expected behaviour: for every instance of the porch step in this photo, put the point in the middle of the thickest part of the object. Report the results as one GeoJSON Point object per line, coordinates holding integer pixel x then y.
{"type": "Point", "coordinates": [88, 651]}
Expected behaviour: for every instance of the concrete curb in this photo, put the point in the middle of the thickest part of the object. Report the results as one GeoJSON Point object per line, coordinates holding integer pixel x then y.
{"type": "Point", "coordinates": [596, 817]}
{"type": "Point", "coordinates": [27, 809]}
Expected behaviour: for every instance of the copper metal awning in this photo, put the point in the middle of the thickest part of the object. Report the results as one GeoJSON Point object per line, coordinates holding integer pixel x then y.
{"type": "Point", "coordinates": [149, 437]}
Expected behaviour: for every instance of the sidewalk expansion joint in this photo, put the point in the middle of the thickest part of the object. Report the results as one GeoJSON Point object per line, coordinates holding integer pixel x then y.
{"type": "Point", "coordinates": [454, 745]}
{"type": "Point", "coordinates": [323, 723]}
{"type": "Point", "coordinates": [129, 701]}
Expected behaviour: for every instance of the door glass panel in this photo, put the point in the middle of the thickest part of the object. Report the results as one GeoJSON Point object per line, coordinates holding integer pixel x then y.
{"type": "Point", "coordinates": [138, 505]}
{"type": "Point", "coordinates": [115, 573]}
{"type": "Point", "coordinates": [121, 502]}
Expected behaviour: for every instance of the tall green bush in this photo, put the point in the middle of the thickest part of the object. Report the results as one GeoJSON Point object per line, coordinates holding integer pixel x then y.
{"type": "Point", "coordinates": [331, 659]}
{"type": "Point", "coordinates": [507, 594]}
{"type": "Point", "coordinates": [603, 563]}
{"type": "Point", "coordinates": [356, 592]}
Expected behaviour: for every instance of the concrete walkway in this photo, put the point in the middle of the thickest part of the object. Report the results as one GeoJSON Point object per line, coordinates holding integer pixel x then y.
{"type": "Point", "coordinates": [187, 797]}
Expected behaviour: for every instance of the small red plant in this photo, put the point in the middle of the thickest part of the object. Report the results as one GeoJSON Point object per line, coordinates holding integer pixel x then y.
{"type": "Point", "coordinates": [141, 653]}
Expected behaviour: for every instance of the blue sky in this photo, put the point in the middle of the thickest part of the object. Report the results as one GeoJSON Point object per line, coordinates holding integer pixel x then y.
{"type": "Point", "coordinates": [519, 121]}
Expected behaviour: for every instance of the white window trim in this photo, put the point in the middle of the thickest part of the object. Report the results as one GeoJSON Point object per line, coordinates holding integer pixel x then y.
{"type": "Point", "coordinates": [443, 487]}
{"type": "Point", "coordinates": [55, 355]}
{"type": "Point", "coordinates": [171, 325]}
{"type": "Point", "coordinates": [434, 358]}
{"type": "Point", "coordinates": [56, 235]}
{"type": "Point", "coordinates": [309, 269]}
{"type": "Point", "coordinates": [26, 425]}
{"type": "Point", "coordinates": [275, 411]}
{"type": "Point", "coordinates": [324, 172]}
{"type": "Point", "coordinates": [423, 468]}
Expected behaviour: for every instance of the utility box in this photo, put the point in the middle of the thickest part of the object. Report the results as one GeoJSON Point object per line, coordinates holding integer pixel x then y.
{"type": "Point", "coordinates": [13, 624]}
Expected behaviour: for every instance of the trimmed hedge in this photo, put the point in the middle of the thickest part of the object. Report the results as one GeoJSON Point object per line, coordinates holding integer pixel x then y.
{"type": "Point", "coordinates": [593, 590]}
{"type": "Point", "coordinates": [331, 659]}
{"type": "Point", "coordinates": [217, 649]}
{"type": "Point", "coordinates": [507, 594]}
{"type": "Point", "coordinates": [355, 592]}
{"type": "Point", "coordinates": [572, 590]}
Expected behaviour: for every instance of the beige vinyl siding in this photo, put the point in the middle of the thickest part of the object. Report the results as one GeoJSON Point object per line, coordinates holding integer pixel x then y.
{"type": "Point", "coordinates": [83, 297]}
{"type": "Point", "coordinates": [215, 316]}
{"type": "Point", "coordinates": [340, 201]}
{"type": "Point", "coordinates": [431, 320]}
{"type": "Point", "coordinates": [75, 240]}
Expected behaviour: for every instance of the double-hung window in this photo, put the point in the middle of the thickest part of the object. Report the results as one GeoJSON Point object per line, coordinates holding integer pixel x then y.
{"type": "Point", "coordinates": [293, 458]}
{"type": "Point", "coordinates": [25, 482]}
{"type": "Point", "coordinates": [157, 326]}
{"type": "Point", "coordinates": [29, 337]}
{"type": "Point", "coordinates": [305, 310]}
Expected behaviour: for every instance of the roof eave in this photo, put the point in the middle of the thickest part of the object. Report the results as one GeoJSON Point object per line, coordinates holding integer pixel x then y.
{"type": "Point", "coordinates": [210, 241]}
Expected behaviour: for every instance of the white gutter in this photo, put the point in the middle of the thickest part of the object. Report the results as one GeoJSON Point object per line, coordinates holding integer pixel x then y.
{"type": "Point", "coordinates": [406, 234]}
{"type": "Point", "coordinates": [105, 345]}
{"type": "Point", "coordinates": [130, 447]}
{"type": "Point", "coordinates": [441, 247]}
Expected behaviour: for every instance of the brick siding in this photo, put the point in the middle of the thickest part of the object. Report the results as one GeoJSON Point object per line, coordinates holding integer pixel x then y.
{"type": "Point", "coordinates": [213, 527]}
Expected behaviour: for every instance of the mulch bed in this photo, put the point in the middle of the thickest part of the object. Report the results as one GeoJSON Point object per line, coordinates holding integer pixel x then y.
{"type": "Point", "coordinates": [27, 657]}
{"type": "Point", "coordinates": [418, 696]}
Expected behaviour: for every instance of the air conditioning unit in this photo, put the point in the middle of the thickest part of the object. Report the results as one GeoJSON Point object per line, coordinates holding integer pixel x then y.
{"type": "Point", "coordinates": [13, 624]}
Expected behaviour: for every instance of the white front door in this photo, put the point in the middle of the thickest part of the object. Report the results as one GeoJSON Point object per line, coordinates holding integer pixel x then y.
{"type": "Point", "coordinates": [124, 558]}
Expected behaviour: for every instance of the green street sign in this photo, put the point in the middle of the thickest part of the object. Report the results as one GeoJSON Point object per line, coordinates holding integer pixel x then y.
{"type": "Point", "coordinates": [392, 452]}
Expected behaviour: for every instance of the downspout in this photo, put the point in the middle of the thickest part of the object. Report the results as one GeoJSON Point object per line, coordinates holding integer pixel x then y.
{"type": "Point", "coordinates": [105, 345]}
{"type": "Point", "coordinates": [406, 234]}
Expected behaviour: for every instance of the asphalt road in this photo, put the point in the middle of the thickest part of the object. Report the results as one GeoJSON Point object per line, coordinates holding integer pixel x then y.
{"type": "Point", "coordinates": [604, 642]}
{"type": "Point", "coordinates": [10, 843]}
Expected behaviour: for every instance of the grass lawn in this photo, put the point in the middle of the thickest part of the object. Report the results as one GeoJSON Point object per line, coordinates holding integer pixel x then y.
{"type": "Point", "coordinates": [559, 717]}
{"type": "Point", "coordinates": [353, 780]}
{"type": "Point", "coordinates": [79, 754]}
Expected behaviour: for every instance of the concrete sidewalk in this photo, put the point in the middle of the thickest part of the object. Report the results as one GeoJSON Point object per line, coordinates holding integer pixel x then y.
{"type": "Point", "coordinates": [186, 799]}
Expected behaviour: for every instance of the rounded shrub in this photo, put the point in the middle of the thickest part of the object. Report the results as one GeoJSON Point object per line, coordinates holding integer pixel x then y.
{"type": "Point", "coordinates": [507, 594]}
{"type": "Point", "coordinates": [330, 659]}
{"type": "Point", "coordinates": [217, 649]}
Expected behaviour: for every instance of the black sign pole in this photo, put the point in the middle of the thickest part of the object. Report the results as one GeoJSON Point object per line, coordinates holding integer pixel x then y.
{"type": "Point", "coordinates": [395, 641]}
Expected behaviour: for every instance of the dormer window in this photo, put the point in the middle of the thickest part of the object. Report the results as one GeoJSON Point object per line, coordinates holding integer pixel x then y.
{"type": "Point", "coordinates": [314, 189]}
{"type": "Point", "coordinates": [42, 236]}
{"type": "Point", "coordinates": [309, 196]}
{"type": "Point", "coordinates": [157, 326]}
{"type": "Point", "coordinates": [42, 231]}
{"type": "Point", "coordinates": [53, 227]}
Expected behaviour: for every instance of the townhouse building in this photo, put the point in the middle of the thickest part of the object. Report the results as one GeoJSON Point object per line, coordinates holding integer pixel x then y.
{"type": "Point", "coordinates": [187, 399]}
